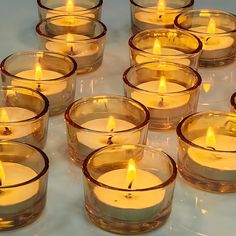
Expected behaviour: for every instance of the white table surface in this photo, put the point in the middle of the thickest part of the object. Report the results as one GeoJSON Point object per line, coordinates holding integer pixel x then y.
{"type": "Point", "coordinates": [194, 212]}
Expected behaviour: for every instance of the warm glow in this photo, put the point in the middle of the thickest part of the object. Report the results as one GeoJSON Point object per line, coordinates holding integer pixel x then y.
{"type": "Point", "coordinates": [210, 138]}
{"type": "Point", "coordinates": [111, 124]}
{"type": "Point", "coordinates": [211, 29]}
{"type": "Point", "coordinates": [162, 86]}
{"type": "Point", "coordinates": [157, 47]}
{"type": "Point", "coordinates": [11, 93]}
{"type": "Point", "coordinates": [4, 116]}
{"type": "Point", "coordinates": [70, 5]}
{"type": "Point", "coordinates": [2, 174]}
{"type": "Point", "coordinates": [69, 40]}
{"type": "Point", "coordinates": [38, 72]}
{"type": "Point", "coordinates": [206, 87]}
{"type": "Point", "coordinates": [131, 174]}
{"type": "Point", "coordinates": [161, 5]}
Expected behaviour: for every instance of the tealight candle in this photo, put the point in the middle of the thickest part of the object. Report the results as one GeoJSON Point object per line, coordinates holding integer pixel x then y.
{"type": "Point", "coordinates": [216, 30]}
{"type": "Point", "coordinates": [156, 13]}
{"type": "Point", "coordinates": [207, 150]}
{"type": "Point", "coordinates": [165, 44]}
{"type": "Point", "coordinates": [84, 44]}
{"type": "Point", "coordinates": [169, 90]}
{"type": "Point", "coordinates": [23, 184]}
{"type": "Point", "coordinates": [50, 73]}
{"type": "Point", "coordinates": [23, 116]}
{"type": "Point", "coordinates": [105, 120]}
{"type": "Point", "coordinates": [129, 190]}
{"type": "Point", "coordinates": [233, 102]}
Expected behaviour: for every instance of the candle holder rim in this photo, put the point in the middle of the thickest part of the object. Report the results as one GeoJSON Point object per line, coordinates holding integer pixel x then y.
{"type": "Point", "coordinates": [181, 56]}
{"type": "Point", "coordinates": [34, 118]}
{"type": "Point", "coordinates": [85, 99]}
{"type": "Point", "coordinates": [167, 182]}
{"type": "Point", "coordinates": [214, 11]}
{"type": "Point", "coordinates": [233, 100]}
{"type": "Point", "coordinates": [183, 138]}
{"type": "Point", "coordinates": [41, 5]}
{"type": "Point", "coordinates": [19, 53]}
{"type": "Point", "coordinates": [41, 33]}
{"type": "Point", "coordinates": [133, 67]}
{"type": "Point", "coordinates": [39, 175]}
{"type": "Point", "coordinates": [191, 2]}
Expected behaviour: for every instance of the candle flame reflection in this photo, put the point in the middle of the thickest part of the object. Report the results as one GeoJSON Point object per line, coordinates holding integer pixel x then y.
{"type": "Point", "coordinates": [157, 47]}
{"type": "Point", "coordinates": [111, 124]}
{"type": "Point", "coordinates": [162, 85]}
{"type": "Point", "coordinates": [70, 5]}
{"type": "Point", "coordinates": [211, 29]}
{"type": "Point", "coordinates": [161, 5]}
{"type": "Point", "coordinates": [211, 138]}
{"type": "Point", "coordinates": [38, 72]}
{"type": "Point", "coordinates": [4, 116]}
{"type": "Point", "coordinates": [131, 174]}
{"type": "Point", "coordinates": [2, 174]}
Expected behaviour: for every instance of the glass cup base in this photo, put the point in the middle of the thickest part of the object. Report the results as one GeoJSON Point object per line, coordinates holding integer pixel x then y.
{"type": "Point", "coordinates": [216, 63]}
{"type": "Point", "coordinates": [90, 68]}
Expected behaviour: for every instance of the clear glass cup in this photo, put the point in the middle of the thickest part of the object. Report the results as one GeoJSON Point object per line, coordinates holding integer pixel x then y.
{"type": "Point", "coordinates": [52, 74]}
{"type": "Point", "coordinates": [156, 13]}
{"type": "Point", "coordinates": [170, 91]}
{"type": "Point", "coordinates": [165, 44]}
{"type": "Point", "coordinates": [130, 193]}
{"type": "Point", "coordinates": [23, 188]}
{"type": "Point", "coordinates": [82, 38]}
{"type": "Point", "coordinates": [23, 115]}
{"type": "Point", "coordinates": [233, 102]}
{"type": "Point", "coordinates": [95, 122]}
{"type": "Point", "coordinates": [51, 8]}
{"type": "Point", "coordinates": [217, 31]}
{"type": "Point", "coordinates": [207, 150]}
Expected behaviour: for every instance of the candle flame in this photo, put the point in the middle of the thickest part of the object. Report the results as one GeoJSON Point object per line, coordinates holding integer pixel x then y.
{"type": "Point", "coordinates": [38, 72]}
{"type": "Point", "coordinates": [131, 174]}
{"type": "Point", "coordinates": [2, 174]}
{"type": "Point", "coordinates": [162, 85]}
{"type": "Point", "coordinates": [206, 87]}
{"type": "Point", "coordinates": [211, 29]}
{"type": "Point", "coordinates": [4, 116]}
{"type": "Point", "coordinates": [111, 124]}
{"type": "Point", "coordinates": [69, 41]}
{"type": "Point", "coordinates": [70, 5]}
{"type": "Point", "coordinates": [157, 47]}
{"type": "Point", "coordinates": [161, 5]}
{"type": "Point", "coordinates": [210, 138]}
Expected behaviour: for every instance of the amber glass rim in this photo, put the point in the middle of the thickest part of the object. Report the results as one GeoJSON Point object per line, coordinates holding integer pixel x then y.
{"type": "Point", "coordinates": [34, 149]}
{"type": "Point", "coordinates": [233, 100]}
{"type": "Point", "coordinates": [86, 99]}
{"type": "Point", "coordinates": [184, 139]}
{"type": "Point", "coordinates": [19, 54]}
{"type": "Point", "coordinates": [191, 2]}
{"type": "Point", "coordinates": [210, 11]}
{"type": "Point", "coordinates": [41, 5]}
{"type": "Point", "coordinates": [183, 55]}
{"type": "Point", "coordinates": [169, 181]}
{"type": "Point", "coordinates": [38, 116]}
{"type": "Point", "coordinates": [137, 66]}
{"type": "Point", "coordinates": [43, 34]}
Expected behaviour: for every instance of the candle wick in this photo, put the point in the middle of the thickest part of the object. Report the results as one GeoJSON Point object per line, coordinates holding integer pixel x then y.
{"type": "Point", "coordinates": [38, 87]}
{"type": "Point", "coordinates": [161, 103]}
{"type": "Point", "coordinates": [208, 38]}
{"type": "Point", "coordinates": [7, 131]}
{"type": "Point", "coordinates": [160, 16]}
{"type": "Point", "coordinates": [130, 185]}
{"type": "Point", "coordinates": [109, 141]}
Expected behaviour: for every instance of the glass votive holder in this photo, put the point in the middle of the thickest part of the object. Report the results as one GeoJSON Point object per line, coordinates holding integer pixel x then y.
{"type": "Point", "coordinates": [207, 150]}
{"type": "Point", "coordinates": [65, 34]}
{"type": "Point", "coordinates": [52, 74]}
{"type": "Point", "coordinates": [233, 102]}
{"type": "Point", "coordinates": [217, 31]}
{"type": "Point", "coordinates": [51, 8]}
{"type": "Point", "coordinates": [156, 13]}
{"type": "Point", "coordinates": [23, 184]}
{"type": "Point", "coordinates": [23, 115]}
{"type": "Point", "coordinates": [170, 91]}
{"type": "Point", "coordinates": [131, 192]}
{"type": "Point", "coordinates": [95, 122]}
{"type": "Point", "coordinates": [165, 44]}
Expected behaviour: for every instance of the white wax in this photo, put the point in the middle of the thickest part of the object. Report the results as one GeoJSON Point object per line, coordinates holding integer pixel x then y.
{"type": "Point", "coordinates": [168, 52]}
{"type": "Point", "coordinates": [47, 89]}
{"type": "Point", "coordinates": [79, 49]}
{"type": "Point", "coordinates": [17, 114]}
{"type": "Point", "coordinates": [95, 141]}
{"type": "Point", "coordinates": [216, 160]}
{"type": "Point", "coordinates": [137, 200]}
{"type": "Point", "coordinates": [215, 42]}
{"type": "Point", "coordinates": [15, 174]}
{"type": "Point", "coordinates": [155, 100]}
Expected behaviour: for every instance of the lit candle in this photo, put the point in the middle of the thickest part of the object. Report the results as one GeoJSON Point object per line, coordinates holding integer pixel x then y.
{"type": "Point", "coordinates": [130, 205]}
{"type": "Point", "coordinates": [13, 174]}
{"type": "Point", "coordinates": [13, 114]}
{"type": "Point", "coordinates": [37, 79]}
{"type": "Point", "coordinates": [156, 50]}
{"type": "Point", "coordinates": [213, 164]}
